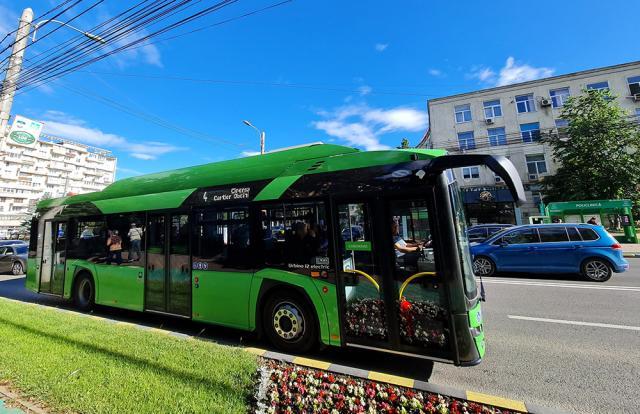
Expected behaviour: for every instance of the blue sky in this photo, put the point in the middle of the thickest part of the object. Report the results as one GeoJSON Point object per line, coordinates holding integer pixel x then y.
{"type": "Point", "coordinates": [348, 72]}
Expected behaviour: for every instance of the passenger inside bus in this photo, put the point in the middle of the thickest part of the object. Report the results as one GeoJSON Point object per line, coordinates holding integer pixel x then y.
{"type": "Point", "coordinates": [407, 253]}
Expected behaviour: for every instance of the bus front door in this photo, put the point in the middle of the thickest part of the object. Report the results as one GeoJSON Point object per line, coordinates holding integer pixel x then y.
{"type": "Point", "coordinates": [53, 258]}
{"type": "Point", "coordinates": [391, 297]}
{"type": "Point", "coordinates": [168, 274]}
{"type": "Point", "coordinates": [362, 289]}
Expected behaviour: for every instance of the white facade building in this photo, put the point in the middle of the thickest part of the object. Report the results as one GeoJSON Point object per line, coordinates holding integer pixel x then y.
{"type": "Point", "coordinates": [509, 120]}
{"type": "Point", "coordinates": [50, 167]}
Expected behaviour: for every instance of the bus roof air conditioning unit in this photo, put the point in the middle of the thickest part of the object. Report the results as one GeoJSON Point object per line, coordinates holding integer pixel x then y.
{"type": "Point", "coordinates": [489, 121]}
{"type": "Point", "coordinates": [544, 102]}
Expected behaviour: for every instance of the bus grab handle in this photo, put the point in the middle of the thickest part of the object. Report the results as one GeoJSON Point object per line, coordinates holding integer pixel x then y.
{"type": "Point", "coordinates": [411, 278]}
{"type": "Point", "coordinates": [372, 280]}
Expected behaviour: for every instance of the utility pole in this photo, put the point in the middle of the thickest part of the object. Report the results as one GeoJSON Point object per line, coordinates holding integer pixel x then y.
{"type": "Point", "coordinates": [13, 70]}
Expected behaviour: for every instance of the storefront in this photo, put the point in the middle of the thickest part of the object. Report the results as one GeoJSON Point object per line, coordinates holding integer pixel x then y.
{"type": "Point", "coordinates": [614, 215]}
{"type": "Point", "coordinates": [489, 205]}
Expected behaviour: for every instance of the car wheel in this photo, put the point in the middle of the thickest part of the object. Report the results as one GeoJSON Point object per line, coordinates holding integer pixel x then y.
{"type": "Point", "coordinates": [483, 266]}
{"type": "Point", "coordinates": [597, 270]}
{"type": "Point", "coordinates": [84, 292]}
{"type": "Point", "coordinates": [289, 322]}
{"type": "Point", "coordinates": [17, 269]}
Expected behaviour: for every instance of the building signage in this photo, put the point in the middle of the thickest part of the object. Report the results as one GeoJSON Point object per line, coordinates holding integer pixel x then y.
{"type": "Point", "coordinates": [25, 131]}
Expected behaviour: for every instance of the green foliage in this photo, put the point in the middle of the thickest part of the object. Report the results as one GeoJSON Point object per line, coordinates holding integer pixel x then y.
{"type": "Point", "coordinates": [598, 154]}
{"type": "Point", "coordinates": [404, 144]}
{"type": "Point", "coordinates": [74, 363]}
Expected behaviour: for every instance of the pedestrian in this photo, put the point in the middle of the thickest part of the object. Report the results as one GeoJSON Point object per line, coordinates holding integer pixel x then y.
{"type": "Point", "coordinates": [114, 244]}
{"type": "Point", "coordinates": [135, 236]}
{"type": "Point", "coordinates": [592, 221]}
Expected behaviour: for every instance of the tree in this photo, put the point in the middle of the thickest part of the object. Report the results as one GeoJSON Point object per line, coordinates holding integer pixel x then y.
{"type": "Point", "coordinates": [599, 156]}
{"type": "Point", "coordinates": [404, 144]}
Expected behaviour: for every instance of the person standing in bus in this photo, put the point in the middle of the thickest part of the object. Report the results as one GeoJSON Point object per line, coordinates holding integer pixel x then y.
{"type": "Point", "coordinates": [135, 236]}
{"type": "Point", "coordinates": [114, 244]}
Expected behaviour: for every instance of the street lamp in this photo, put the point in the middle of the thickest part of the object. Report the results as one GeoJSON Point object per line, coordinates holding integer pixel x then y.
{"type": "Point", "coordinates": [91, 36]}
{"type": "Point", "coordinates": [261, 134]}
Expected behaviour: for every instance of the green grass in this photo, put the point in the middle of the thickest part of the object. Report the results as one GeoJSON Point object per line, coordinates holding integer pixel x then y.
{"type": "Point", "coordinates": [76, 363]}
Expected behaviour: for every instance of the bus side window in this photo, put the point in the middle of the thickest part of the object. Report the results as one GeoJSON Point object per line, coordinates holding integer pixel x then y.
{"type": "Point", "coordinates": [86, 239]}
{"type": "Point", "coordinates": [295, 237]}
{"type": "Point", "coordinates": [221, 239]}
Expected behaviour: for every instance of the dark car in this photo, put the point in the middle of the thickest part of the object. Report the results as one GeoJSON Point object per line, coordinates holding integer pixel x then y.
{"type": "Point", "coordinates": [481, 232]}
{"type": "Point", "coordinates": [12, 242]}
{"type": "Point", "coordinates": [13, 259]}
{"type": "Point", "coordinates": [551, 248]}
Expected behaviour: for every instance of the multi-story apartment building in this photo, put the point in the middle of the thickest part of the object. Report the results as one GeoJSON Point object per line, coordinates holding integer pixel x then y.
{"type": "Point", "coordinates": [510, 120]}
{"type": "Point", "coordinates": [50, 167]}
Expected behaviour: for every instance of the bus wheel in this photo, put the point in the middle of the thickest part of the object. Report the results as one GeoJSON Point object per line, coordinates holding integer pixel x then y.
{"type": "Point", "coordinates": [84, 292]}
{"type": "Point", "coordinates": [483, 266]}
{"type": "Point", "coordinates": [596, 270]}
{"type": "Point", "coordinates": [289, 322]}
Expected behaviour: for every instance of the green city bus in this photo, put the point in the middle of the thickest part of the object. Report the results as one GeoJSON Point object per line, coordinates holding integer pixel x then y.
{"type": "Point", "coordinates": [307, 246]}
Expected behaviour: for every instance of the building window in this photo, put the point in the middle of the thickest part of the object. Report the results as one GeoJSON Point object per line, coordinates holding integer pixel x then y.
{"type": "Point", "coordinates": [536, 165]}
{"type": "Point", "coordinates": [634, 85]}
{"type": "Point", "coordinates": [525, 103]}
{"type": "Point", "coordinates": [470, 172]}
{"type": "Point", "coordinates": [598, 86]}
{"type": "Point", "coordinates": [466, 140]}
{"type": "Point", "coordinates": [463, 113]}
{"type": "Point", "coordinates": [492, 109]}
{"type": "Point", "coordinates": [559, 97]}
{"type": "Point", "coordinates": [530, 132]}
{"type": "Point", "coordinates": [497, 136]}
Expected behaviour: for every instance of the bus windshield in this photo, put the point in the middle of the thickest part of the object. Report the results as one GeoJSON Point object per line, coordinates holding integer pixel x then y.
{"type": "Point", "coordinates": [460, 224]}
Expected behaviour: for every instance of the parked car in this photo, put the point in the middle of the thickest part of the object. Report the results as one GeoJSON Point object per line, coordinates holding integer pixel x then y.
{"type": "Point", "coordinates": [13, 259]}
{"type": "Point", "coordinates": [551, 248]}
{"type": "Point", "coordinates": [481, 232]}
{"type": "Point", "coordinates": [12, 242]}
{"type": "Point", "coordinates": [355, 233]}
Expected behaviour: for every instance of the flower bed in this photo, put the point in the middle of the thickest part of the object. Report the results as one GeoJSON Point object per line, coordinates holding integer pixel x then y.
{"type": "Point", "coordinates": [422, 322]}
{"type": "Point", "coordinates": [294, 389]}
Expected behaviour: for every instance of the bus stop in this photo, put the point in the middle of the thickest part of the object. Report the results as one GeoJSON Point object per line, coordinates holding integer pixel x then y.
{"type": "Point", "coordinates": [614, 215]}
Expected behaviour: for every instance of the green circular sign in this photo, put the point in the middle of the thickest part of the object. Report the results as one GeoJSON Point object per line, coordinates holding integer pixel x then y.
{"type": "Point", "coordinates": [22, 137]}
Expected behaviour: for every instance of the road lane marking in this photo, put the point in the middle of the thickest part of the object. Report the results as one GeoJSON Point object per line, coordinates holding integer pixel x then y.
{"type": "Point", "coordinates": [563, 285]}
{"type": "Point", "coordinates": [566, 322]}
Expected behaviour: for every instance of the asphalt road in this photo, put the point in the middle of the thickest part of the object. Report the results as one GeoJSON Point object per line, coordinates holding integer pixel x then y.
{"type": "Point", "coordinates": [555, 341]}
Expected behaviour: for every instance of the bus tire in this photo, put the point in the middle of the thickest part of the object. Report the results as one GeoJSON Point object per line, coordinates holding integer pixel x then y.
{"type": "Point", "coordinates": [484, 266]}
{"type": "Point", "coordinates": [596, 270]}
{"type": "Point", "coordinates": [289, 322]}
{"type": "Point", "coordinates": [84, 292]}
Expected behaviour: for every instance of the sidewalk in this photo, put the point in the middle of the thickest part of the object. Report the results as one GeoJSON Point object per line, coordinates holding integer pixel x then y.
{"type": "Point", "coordinates": [631, 250]}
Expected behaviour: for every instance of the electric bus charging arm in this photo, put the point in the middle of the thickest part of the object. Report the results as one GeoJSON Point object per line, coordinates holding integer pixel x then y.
{"type": "Point", "coordinates": [500, 165]}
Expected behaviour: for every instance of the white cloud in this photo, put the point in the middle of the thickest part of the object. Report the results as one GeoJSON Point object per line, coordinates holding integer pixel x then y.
{"type": "Point", "coordinates": [434, 72]}
{"type": "Point", "coordinates": [362, 126]}
{"type": "Point", "coordinates": [365, 90]}
{"type": "Point", "coordinates": [381, 47]}
{"type": "Point", "coordinates": [249, 153]}
{"type": "Point", "coordinates": [511, 72]}
{"type": "Point", "coordinates": [66, 126]}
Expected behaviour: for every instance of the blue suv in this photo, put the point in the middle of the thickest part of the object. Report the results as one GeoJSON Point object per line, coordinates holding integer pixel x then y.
{"type": "Point", "coordinates": [551, 248]}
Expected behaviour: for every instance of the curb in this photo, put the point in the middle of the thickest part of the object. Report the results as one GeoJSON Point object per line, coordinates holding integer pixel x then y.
{"type": "Point", "coordinates": [631, 254]}
{"type": "Point", "coordinates": [14, 399]}
{"type": "Point", "coordinates": [498, 402]}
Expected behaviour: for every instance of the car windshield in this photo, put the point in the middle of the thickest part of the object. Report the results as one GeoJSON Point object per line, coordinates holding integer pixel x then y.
{"type": "Point", "coordinates": [501, 232]}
